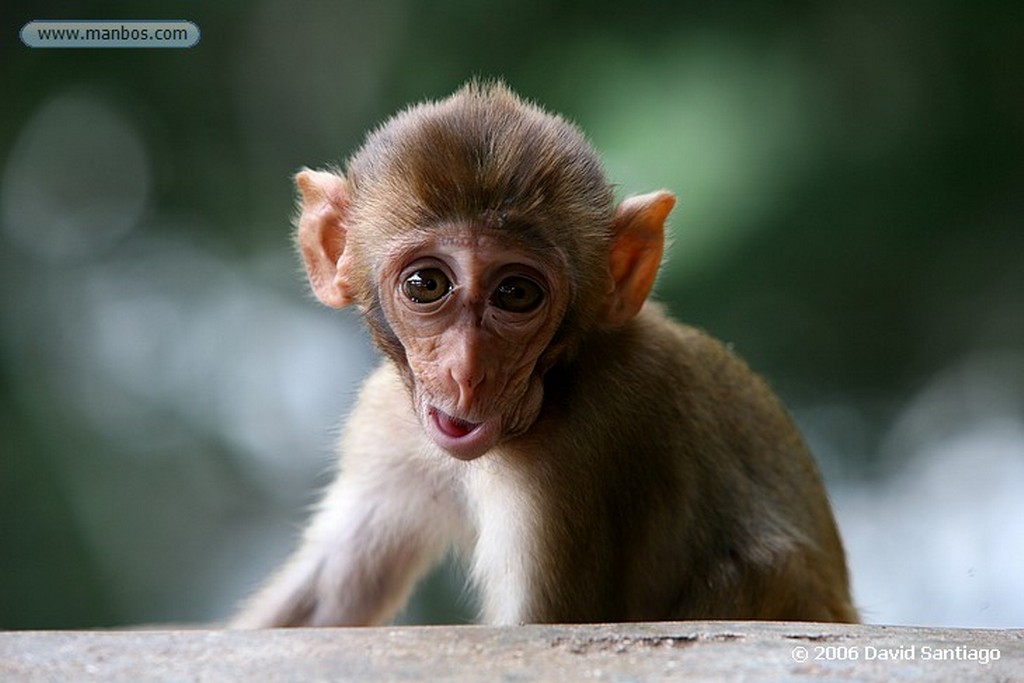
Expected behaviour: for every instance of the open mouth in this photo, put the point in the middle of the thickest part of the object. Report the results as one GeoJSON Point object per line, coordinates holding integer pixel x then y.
{"type": "Point", "coordinates": [453, 426]}
{"type": "Point", "coordinates": [461, 438]}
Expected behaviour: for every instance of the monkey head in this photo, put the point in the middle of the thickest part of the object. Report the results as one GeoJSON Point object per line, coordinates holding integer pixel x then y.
{"type": "Point", "coordinates": [479, 238]}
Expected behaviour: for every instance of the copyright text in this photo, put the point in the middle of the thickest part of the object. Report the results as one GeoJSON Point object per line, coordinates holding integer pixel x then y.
{"type": "Point", "coordinates": [908, 653]}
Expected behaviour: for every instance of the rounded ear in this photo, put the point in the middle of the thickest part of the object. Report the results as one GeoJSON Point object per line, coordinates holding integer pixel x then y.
{"type": "Point", "coordinates": [637, 245]}
{"type": "Point", "coordinates": [322, 230]}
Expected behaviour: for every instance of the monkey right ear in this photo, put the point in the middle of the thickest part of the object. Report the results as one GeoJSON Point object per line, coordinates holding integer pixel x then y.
{"type": "Point", "coordinates": [323, 229]}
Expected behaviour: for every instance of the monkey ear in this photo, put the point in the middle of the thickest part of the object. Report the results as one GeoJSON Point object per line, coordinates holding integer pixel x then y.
{"type": "Point", "coordinates": [323, 228]}
{"type": "Point", "coordinates": [637, 246]}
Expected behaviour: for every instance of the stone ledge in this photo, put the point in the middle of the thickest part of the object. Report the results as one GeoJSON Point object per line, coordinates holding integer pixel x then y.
{"type": "Point", "coordinates": [607, 652]}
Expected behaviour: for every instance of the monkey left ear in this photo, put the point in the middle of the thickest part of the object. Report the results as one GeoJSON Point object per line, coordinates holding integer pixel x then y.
{"type": "Point", "coordinates": [323, 229]}
{"type": "Point", "coordinates": [637, 246]}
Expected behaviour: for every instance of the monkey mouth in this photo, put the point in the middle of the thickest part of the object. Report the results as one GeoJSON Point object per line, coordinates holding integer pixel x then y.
{"type": "Point", "coordinates": [461, 438]}
{"type": "Point", "coordinates": [453, 426]}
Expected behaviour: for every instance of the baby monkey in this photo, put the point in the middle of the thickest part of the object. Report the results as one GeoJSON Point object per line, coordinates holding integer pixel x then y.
{"type": "Point", "coordinates": [590, 459]}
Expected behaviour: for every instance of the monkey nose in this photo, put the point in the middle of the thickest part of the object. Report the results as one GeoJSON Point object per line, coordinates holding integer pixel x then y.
{"type": "Point", "coordinates": [468, 383]}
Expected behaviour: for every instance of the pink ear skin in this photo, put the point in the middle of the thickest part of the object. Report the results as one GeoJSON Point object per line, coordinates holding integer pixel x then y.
{"type": "Point", "coordinates": [323, 227]}
{"type": "Point", "coordinates": [637, 247]}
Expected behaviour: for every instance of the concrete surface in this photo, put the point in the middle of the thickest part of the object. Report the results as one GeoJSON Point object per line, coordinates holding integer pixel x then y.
{"type": "Point", "coordinates": [690, 651]}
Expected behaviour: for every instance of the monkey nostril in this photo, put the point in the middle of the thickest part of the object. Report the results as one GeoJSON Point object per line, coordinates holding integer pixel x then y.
{"type": "Point", "coordinates": [465, 378]}
{"type": "Point", "coordinates": [463, 389]}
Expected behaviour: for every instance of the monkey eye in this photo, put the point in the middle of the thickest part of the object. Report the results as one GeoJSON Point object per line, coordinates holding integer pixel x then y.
{"type": "Point", "coordinates": [517, 295]}
{"type": "Point", "coordinates": [427, 286]}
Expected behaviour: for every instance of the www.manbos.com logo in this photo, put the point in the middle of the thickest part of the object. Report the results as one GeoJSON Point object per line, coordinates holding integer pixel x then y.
{"type": "Point", "coordinates": [165, 33]}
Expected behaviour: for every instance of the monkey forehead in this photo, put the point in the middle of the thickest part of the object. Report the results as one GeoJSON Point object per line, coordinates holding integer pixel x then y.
{"type": "Point", "coordinates": [484, 155]}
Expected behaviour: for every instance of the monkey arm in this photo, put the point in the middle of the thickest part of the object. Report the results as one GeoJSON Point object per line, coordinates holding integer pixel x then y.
{"type": "Point", "coordinates": [381, 525]}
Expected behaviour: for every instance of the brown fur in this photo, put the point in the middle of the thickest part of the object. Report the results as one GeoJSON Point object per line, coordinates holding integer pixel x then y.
{"type": "Point", "coordinates": [713, 486]}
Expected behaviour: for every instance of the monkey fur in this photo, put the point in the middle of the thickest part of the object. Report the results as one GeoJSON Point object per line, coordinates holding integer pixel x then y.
{"type": "Point", "coordinates": [588, 458]}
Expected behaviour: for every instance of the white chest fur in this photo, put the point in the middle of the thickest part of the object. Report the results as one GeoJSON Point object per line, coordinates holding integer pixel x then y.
{"type": "Point", "coordinates": [505, 554]}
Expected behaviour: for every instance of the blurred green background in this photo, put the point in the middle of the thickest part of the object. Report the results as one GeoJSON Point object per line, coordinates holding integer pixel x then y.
{"type": "Point", "coordinates": [851, 179]}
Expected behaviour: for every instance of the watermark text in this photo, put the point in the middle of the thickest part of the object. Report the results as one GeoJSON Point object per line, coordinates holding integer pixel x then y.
{"type": "Point", "coordinates": [127, 33]}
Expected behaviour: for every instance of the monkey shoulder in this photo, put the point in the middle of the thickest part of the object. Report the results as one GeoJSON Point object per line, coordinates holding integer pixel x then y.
{"type": "Point", "coordinates": [669, 361]}
{"type": "Point", "coordinates": [384, 398]}
{"type": "Point", "coordinates": [382, 431]}
{"type": "Point", "coordinates": [700, 367]}
{"type": "Point", "coordinates": [666, 387]}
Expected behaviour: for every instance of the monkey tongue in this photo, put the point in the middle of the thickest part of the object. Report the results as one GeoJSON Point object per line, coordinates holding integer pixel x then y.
{"type": "Point", "coordinates": [460, 438]}
{"type": "Point", "coordinates": [453, 426]}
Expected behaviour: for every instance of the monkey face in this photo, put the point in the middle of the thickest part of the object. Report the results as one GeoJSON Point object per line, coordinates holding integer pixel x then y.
{"type": "Point", "coordinates": [480, 240]}
{"type": "Point", "coordinates": [474, 313]}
